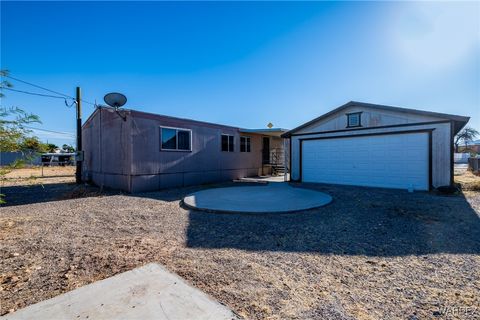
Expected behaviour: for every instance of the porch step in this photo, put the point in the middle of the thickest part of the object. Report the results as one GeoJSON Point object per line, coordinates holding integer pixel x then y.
{"type": "Point", "coordinates": [278, 170]}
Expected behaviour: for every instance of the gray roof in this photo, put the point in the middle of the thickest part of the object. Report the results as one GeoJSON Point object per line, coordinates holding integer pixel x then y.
{"type": "Point", "coordinates": [459, 121]}
{"type": "Point", "coordinates": [133, 112]}
{"type": "Point", "coordinates": [473, 143]}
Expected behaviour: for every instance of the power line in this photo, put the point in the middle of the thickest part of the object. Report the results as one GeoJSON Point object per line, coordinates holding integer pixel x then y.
{"type": "Point", "coordinates": [36, 94]}
{"type": "Point", "coordinates": [37, 86]}
{"type": "Point", "coordinates": [52, 131]}
{"type": "Point", "coordinates": [43, 88]}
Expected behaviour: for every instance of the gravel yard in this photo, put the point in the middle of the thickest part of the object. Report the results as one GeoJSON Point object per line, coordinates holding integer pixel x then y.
{"type": "Point", "coordinates": [370, 254]}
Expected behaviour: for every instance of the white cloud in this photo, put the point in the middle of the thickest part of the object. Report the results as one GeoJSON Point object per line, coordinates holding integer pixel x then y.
{"type": "Point", "coordinates": [435, 35]}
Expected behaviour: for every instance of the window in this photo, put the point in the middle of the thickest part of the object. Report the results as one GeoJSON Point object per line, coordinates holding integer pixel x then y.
{"type": "Point", "coordinates": [354, 119]}
{"type": "Point", "coordinates": [244, 144]}
{"type": "Point", "coordinates": [227, 143]}
{"type": "Point", "coordinates": [175, 139]}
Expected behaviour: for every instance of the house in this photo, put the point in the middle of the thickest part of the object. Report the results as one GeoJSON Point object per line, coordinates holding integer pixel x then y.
{"type": "Point", "coordinates": [375, 145]}
{"type": "Point", "coordinates": [137, 151]}
{"type": "Point", "coordinates": [472, 146]}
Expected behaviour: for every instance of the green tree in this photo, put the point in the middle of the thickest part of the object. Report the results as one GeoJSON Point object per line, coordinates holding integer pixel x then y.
{"type": "Point", "coordinates": [13, 121]}
{"type": "Point", "coordinates": [51, 147]}
{"type": "Point", "coordinates": [12, 127]}
{"type": "Point", "coordinates": [13, 131]}
{"type": "Point", "coordinates": [4, 83]}
{"type": "Point", "coordinates": [33, 144]}
{"type": "Point", "coordinates": [68, 148]}
{"type": "Point", "coordinates": [468, 134]}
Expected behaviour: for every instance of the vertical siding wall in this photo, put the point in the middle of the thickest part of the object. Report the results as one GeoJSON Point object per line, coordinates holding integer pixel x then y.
{"type": "Point", "coordinates": [370, 118]}
{"type": "Point", "coordinates": [441, 140]}
{"type": "Point", "coordinates": [107, 150]}
{"type": "Point", "coordinates": [153, 168]}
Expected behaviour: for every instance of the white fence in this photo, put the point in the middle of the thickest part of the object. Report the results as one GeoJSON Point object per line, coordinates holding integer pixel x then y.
{"type": "Point", "coordinates": [461, 157]}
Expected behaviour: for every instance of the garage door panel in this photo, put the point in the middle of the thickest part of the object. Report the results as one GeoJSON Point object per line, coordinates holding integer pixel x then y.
{"type": "Point", "coordinates": [413, 153]}
{"type": "Point", "coordinates": [392, 161]}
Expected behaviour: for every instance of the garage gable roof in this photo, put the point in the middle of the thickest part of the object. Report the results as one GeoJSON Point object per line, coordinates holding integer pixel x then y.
{"type": "Point", "coordinates": [459, 121]}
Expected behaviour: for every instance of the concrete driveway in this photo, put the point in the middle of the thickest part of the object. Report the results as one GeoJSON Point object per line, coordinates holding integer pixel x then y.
{"type": "Point", "coordinates": [274, 197]}
{"type": "Point", "coordinates": [149, 292]}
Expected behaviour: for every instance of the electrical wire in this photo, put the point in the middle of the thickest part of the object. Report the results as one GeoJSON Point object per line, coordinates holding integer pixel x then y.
{"type": "Point", "coordinates": [37, 86]}
{"type": "Point", "coordinates": [52, 131]}
{"type": "Point", "coordinates": [35, 93]}
{"type": "Point", "coordinates": [43, 88]}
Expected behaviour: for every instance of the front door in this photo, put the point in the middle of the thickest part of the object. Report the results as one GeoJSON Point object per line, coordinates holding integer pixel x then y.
{"type": "Point", "coordinates": [266, 150]}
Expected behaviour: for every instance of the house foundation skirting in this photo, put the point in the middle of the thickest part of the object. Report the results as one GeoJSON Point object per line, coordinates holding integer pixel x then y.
{"type": "Point", "coordinates": [152, 182]}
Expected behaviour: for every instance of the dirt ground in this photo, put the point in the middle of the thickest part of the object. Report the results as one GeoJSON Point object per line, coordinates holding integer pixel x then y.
{"type": "Point", "coordinates": [39, 175]}
{"type": "Point", "coordinates": [370, 254]}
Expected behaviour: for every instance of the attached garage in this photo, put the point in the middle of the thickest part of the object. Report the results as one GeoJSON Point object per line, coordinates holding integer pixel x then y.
{"type": "Point", "coordinates": [380, 146]}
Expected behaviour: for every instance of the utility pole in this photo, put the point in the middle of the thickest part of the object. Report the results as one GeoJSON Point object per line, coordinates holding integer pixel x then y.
{"type": "Point", "coordinates": [79, 154]}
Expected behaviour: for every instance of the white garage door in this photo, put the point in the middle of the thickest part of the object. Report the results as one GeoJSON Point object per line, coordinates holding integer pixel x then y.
{"type": "Point", "coordinates": [387, 161]}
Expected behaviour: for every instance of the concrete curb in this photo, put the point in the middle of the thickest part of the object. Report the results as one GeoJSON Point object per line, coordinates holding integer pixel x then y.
{"type": "Point", "coordinates": [200, 201]}
{"type": "Point", "coordinates": [247, 213]}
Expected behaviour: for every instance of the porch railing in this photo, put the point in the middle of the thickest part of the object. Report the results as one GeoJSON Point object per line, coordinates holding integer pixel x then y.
{"type": "Point", "coordinates": [277, 157]}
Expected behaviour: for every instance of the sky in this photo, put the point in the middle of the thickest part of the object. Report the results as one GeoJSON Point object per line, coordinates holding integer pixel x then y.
{"type": "Point", "coordinates": [241, 63]}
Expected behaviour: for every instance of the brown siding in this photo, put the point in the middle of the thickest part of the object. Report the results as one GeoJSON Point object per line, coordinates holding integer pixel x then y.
{"type": "Point", "coordinates": [205, 163]}
{"type": "Point", "coordinates": [127, 155]}
{"type": "Point", "coordinates": [106, 145]}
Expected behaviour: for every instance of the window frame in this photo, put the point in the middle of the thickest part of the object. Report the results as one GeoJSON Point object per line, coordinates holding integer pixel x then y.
{"type": "Point", "coordinates": [228, 142]}
{"type": "Point", "coordinates": [249, 144]}
{"type": "Point", "coordinates": [176, 136]}
{"type": "Point", "coordinates": [359, 114]}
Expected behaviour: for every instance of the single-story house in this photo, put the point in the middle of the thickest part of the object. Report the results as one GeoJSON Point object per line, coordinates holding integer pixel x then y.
{"type": "Point", "coordinates": [137, 151]}
{"type": "Point", "coordinates": [376, 145]}
{"type": "Point", "coordinates": [472, 146]}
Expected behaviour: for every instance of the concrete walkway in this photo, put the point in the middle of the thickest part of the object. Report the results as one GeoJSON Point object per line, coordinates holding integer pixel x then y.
{"type": "Point", "coordinates": [275, 197]}
{"type": "Point", "coordinates": [264, 179]}
{"type": "Point", "coordinates": [149, 292]}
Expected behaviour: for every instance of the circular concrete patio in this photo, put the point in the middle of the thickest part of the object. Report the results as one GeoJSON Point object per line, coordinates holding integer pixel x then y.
{"type": "Point", "coordinates": [270, 198]}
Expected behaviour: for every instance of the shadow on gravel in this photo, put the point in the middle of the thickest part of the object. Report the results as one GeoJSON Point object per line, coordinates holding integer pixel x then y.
{"type": "Point", "coordinates": [177, 194]}
{"type": "Point", "coordinates": [28, 194]}
{"type": "Point", "coordinates": [359, 221]}
{"type": "Point", "coordinates": [38, 193]}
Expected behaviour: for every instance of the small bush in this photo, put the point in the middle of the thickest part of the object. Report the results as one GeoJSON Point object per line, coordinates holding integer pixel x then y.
{"type": "Point", "coordinates": [472, 186]}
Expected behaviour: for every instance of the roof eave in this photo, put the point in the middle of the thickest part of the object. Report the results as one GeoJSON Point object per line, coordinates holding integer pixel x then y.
{"type": "Point", "coordinates": [462, 120]}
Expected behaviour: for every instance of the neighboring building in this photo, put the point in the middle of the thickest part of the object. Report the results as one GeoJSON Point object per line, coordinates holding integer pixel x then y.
{"type": "Point", "coordinates": [461, 157]}
{"type": "Point", "coordinates": [58, 158]}
{"type": "Point", "coordinates": [137, 151]}
{"type": "Point", "coordinates": [375, 145]}
{"type": "Point", "coordinates": [472, 146]}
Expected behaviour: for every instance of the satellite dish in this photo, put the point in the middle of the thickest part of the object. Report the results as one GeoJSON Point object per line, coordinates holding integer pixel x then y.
{"type": "Point", "coordinates": [115, 99]}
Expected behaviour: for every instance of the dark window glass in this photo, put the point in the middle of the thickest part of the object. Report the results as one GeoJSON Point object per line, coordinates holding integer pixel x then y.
{"type": "Point", "coordinates": [183, 140]}
{"type": "Point", "coordinates": [176, 139]}
{"type": "Point", "coordinates": [227, 143]}
{"type": "Point", "coordinates": [169, 139]}
{"type": "Point", "coordinates": [353, 120]}
{"type": "Point", "coordinates": [230, 143]}
{"type": "Point", "coordinates": [244, 144]}
{"type": "Point", "coordinates": [224, 142]}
